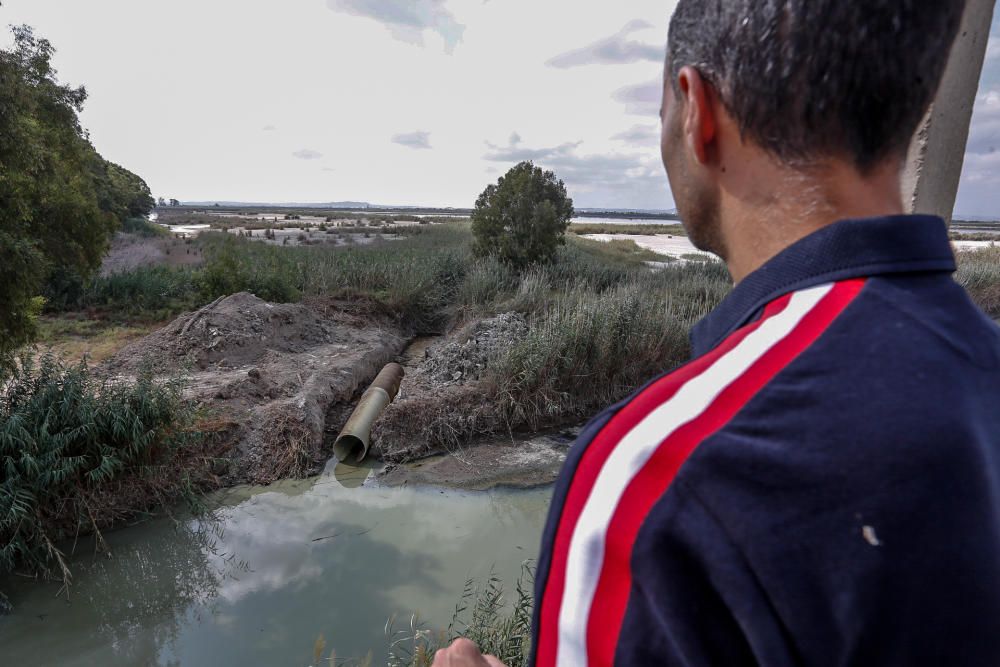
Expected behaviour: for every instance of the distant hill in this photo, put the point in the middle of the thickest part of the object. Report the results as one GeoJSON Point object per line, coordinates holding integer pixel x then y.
{"type": "Point", "coordinates": [247, 204]}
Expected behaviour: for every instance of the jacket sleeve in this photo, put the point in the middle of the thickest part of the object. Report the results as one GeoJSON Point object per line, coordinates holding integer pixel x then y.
{"type": "Point", "coordinates": [694, 601]}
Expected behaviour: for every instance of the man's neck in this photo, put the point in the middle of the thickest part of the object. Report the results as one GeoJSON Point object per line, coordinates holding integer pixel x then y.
{"type": "Point", "coordinates": [772, 207]}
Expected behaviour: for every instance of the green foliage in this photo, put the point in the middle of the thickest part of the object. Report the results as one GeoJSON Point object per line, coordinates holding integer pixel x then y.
{"type": "Point", "coordinates": [121, 192]}
{"type": "Point", "coordinates": [142, 227]}
{"type": "Point", "coordinates": [153, 292]}
{"type": "Point", "coordinates": [59, 200]}
{"type": "Point", "coordinates": [237, 265]}
{"type": "Point", "coordinates": [79, 454]}
{"type": "Point", "coordinates": [523, 218]}
{"type": "Point", "coordinates": [498, 626]}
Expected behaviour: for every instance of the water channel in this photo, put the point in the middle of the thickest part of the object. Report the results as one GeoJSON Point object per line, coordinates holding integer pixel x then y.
{"type": "Point", "coordinates": [273, 569]}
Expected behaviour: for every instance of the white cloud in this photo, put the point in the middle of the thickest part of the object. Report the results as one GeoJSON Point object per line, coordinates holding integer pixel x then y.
{"type": "Point", "coordinates": [993, 48]}
{"type": "Point", "coordinates": [641, 99]}
{"type": "Point", "coordinates": [416, 139]}
{"type": "Point", "coordinates": [984, 131]}
{"type": "Point", "coordinates": [407, 20]}
{"type": "Point", "coordinates": [307, 154]}
{"type": "Point", "coordinates": [268, 128]}
{"type": "Point", "coordinates": [614, 50]}
{"type": "Point", "coordinates": [981, 170]}
{"type": "Point", "coordinates": [640, 135]}
{"type": "Point", "coordinates": [596, 179]}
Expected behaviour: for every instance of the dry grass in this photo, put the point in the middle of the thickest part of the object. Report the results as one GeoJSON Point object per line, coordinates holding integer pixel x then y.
{"type": "Point", "coordinates": [979, 273]}
{"type": "Point", "coordinates": [74, 339]}
{"type": "Point", "coordinates": [626, 249]}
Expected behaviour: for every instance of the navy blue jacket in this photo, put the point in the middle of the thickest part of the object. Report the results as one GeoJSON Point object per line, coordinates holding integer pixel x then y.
{"type": "Point", "coordinates": [820, 485]}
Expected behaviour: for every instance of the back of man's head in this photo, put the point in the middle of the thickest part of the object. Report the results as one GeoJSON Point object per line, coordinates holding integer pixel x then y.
{"type": "Point", "coordinates": [808, 79]}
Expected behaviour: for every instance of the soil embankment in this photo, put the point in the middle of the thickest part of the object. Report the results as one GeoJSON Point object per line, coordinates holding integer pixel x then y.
{"type": "Point", "coordinates": [276, 382]}
{"type": "Point", "coordinates": [268, 374]}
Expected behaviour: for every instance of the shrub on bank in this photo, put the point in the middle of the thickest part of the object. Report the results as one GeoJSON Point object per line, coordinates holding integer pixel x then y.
{"type": "Point", "coordinates": [81, 454]}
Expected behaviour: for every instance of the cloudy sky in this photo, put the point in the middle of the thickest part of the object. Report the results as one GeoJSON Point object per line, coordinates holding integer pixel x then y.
{"type": "Point", "coordinates": [418, 102]}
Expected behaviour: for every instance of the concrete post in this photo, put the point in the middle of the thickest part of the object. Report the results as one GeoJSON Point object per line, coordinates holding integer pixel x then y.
{"type": "Point", "coordinates": [934, 163]}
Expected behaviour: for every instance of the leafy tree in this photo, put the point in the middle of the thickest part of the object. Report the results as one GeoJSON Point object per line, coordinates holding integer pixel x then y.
{"type": "Point", "coordinates": [174, 202]}
{"type": "Point", "coordinates": [160, 201]}
{"type": "Point", "coordinates": [60, 201]}
{"type": "Point", "coordinates": [523, 218]}
{"type": "Point", "coordinates": [132, 198]}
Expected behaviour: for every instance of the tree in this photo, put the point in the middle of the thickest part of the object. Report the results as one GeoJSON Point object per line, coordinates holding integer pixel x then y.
{"type": "Point", "coordinates": [174, 202]}
{"type": "Point", "coordinates": [523, 218]}
{"type": "Point", "coordinates": [120, 191]}
{"type": "Point", "coordinates": [160, 201]}
{"type": "Point", "coordinates": [60, 201]}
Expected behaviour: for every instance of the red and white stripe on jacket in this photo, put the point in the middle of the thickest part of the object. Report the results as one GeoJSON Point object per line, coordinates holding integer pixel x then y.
{"type": "Point", "coordinates": [631, 462]}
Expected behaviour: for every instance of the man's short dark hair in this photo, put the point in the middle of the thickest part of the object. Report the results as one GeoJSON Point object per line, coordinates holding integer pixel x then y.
{"type": "Point", "coordinates": [813, 78]}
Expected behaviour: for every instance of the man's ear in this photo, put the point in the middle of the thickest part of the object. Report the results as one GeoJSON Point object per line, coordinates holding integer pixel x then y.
{"type": "Point", "coordinates": [699, 113]}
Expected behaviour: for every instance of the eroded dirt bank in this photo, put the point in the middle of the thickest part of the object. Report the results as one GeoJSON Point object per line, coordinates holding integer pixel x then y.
{"type": "Point", "coordinates": [267, 375]}
{"type": "Point", "coordinates": [276, 382]}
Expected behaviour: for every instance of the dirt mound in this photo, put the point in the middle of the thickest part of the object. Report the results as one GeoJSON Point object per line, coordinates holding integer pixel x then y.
{"type": "Point", "coordinates": [228, 333]}
{"type": "Point", "coordinates": [268, 374]}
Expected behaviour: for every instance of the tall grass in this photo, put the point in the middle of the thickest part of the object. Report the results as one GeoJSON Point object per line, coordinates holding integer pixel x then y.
{"type": "Point", "coordinates": [586, 349]}
{"type": "Point", "coordinates": [153, 292]}
{"type": "Point", "coordinates": [80, 454]}
{"type": "Point", "coordinates": [483, 614]}
{"type": "Point", "coordinates": [979, 273]}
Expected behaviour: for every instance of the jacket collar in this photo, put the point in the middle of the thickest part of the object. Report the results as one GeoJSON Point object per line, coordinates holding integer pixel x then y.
{"type": "Point", "coordinates": [846, 249]}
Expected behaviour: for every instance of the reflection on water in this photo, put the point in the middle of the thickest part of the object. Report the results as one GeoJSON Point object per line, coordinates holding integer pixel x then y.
{"type": "Point", "coordinates": [276, 567]}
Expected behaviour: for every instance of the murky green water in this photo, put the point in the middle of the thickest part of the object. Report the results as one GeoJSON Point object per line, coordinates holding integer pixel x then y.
{"type": "Point", "coordinates": [281, 565]}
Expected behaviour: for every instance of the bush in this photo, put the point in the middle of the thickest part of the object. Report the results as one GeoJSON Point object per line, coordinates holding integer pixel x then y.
{"type": "Point", "coordinates": [81, 454]}
{"type": "Point", "coordinates": [143, 227]}
{"type": "Point", "coordinates": [523, 218]}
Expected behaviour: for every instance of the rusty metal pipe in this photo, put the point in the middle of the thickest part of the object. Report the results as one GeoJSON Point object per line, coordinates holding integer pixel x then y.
{"type": "Point", "coordinates": [356, 434]}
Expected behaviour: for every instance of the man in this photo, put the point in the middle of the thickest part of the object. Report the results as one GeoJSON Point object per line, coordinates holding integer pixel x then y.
{"type": "Point", "coordinates": [821, 484]}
